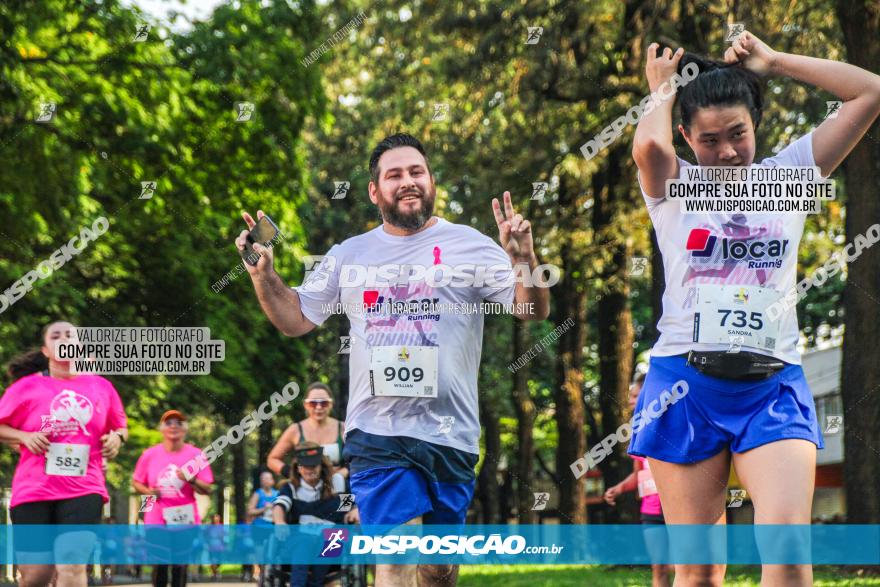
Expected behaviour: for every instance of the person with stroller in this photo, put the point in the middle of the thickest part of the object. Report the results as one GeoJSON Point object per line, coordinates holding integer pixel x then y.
{"type": "Point", "coordinates": [311, 495]}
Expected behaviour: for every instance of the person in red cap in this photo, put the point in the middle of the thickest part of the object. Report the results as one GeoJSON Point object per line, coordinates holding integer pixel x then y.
{"type": "Point", "coordinates": [169, 498]}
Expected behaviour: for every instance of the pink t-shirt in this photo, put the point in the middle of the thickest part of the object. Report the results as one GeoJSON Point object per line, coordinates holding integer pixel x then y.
{"type": "Point", "coordinates": [157, 469]}
{"type": "Point", "coordinates": [73, 412]}
{"type": "Point", "coordinates": [648, 490]}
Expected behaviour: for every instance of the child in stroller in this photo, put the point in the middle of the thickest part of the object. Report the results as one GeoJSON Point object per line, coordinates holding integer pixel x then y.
{"type": "Point", "coordinates": [311, 496]}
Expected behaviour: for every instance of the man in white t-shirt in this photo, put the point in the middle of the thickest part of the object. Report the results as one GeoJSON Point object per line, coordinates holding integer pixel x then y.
{"type": "Point", "coordinates": [409, 288]}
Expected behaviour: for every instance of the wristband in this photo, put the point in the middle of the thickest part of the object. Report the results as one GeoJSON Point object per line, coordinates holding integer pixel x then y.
{"type": "Point", "coordinates": [120, 435]}
{"type": "Point", "coordinates": [285, 471]}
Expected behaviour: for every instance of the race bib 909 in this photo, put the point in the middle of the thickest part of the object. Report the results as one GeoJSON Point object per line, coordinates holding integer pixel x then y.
{"type": "Point", "coordinates": [404, 371]}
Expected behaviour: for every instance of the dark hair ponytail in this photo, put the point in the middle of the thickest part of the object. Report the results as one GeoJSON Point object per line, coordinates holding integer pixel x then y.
{"type": "Point", "coordinates": [719, 84]}
{"type": "Point", "coordinates": [29, 362]}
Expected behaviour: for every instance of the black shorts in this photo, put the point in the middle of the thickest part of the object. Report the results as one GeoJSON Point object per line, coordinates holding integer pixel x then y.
{"type": "Point", "coordinates": [83, 510]}
{"type": "Point", "coordinates": [652, 519]}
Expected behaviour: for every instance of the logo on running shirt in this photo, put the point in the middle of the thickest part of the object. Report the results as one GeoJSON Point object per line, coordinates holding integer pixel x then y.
{"type": "Point", "coordinates": [741, 296]}
{"type": "Point", "coordinates": [334, 539]}
{"type": "Point", "coordinates": [375, 303]}
{"type": "Point", "coordinates": [401, 315]}
{"type": "Point", "coordinates": [69, 412]}
{"type": "Point", "coordinates": [169, 483]}
{"type": "Point", "coordinates": [758, 253]}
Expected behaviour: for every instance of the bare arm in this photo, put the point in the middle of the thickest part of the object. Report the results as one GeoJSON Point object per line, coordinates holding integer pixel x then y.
{"type": "Point", "coordinates": [279, 302]}
{"type": "Point", "coordinates": [285, 444]}
{"type": "Point", "coordinates": [252, 508]}
{"type": "Point", "coordinates": [143, 489]}
{"type": "Point", "coordinates": [515, 234]}
{"type": "Point", "coordinates": [201, 487]}
{"type": "Point", "coordinates": [281, 305]}
{"type": "Point", "coordinates": [531, 302]}
{"type": "Point", "coordinates": [653, 151]}
{"type": "Point", "coordinates": [278, 515]}
{"type": "Point", "coordinates": [36, 442]}
{"type": "Point", "coordinates": [112, 442]}
{"type": "Point", "coordinates": [10, 435]}
{"type": "Point", "coordinates": [630, 482]}
{"type": "Point", "coordinates": [858, 89]}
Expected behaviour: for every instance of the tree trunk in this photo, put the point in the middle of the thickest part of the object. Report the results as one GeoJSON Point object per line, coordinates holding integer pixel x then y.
{"type": "Point", "coordinates": [860, 21]}
{"type": "Point", "coordinates": [488, 477]}
{"type": "Point", "coordinates": [218, 489]}
{"type": "Point", "coordinates": [570, 302]}
{"type": "Point", "coordinates": [265, 441]}
{"type": "Point", "coordinates": [616, 335]}
{"type": "Point", "coordinates": [615, 368]}
{"type": "Point", "coordinates": [524, 408]}
{"type": "Point", "coordinates": [239, 478]}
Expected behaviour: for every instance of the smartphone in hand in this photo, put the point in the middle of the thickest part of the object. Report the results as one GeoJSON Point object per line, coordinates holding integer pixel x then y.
{"type": "Point", "coordinates": [264, 232]}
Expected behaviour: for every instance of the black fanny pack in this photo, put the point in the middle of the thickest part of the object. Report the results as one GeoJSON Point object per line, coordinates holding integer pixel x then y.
{"type": "Point", "coordinates": [742, 366]}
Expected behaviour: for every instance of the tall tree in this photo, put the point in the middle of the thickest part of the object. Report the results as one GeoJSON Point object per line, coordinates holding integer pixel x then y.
{"type": "Point", "coordinates": [860, 371]}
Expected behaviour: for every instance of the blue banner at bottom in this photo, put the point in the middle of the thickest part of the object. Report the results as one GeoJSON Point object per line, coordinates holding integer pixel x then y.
{"type": "Point", "coordinates": [428, 544]}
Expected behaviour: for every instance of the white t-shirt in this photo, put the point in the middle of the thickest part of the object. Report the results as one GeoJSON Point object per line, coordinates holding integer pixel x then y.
{"type": "Point", "coordinates": [693, 250]}
{"type": "Point", "coordinates": [306, 492]}
{"type": "Point", "coordinates": [450, 419]}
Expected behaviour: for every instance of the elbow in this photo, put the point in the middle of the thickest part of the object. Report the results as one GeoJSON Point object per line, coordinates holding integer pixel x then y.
{"type": "Point", "coordinates": [536, 316]}
{"type": "Point", "coordinates": [648, 149]}
{"type": "Point", "coordinates": [291, 331]}
{"type": "Point", "coordinates": [296, 328]}
{"type": "Point", "coordinates": [287, 330]}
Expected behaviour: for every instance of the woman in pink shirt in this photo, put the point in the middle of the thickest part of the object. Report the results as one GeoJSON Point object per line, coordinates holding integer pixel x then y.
{"type": "Point", "coordinates": [169, 498]}
{"type": "Point", "coordinates": [650, 510]}
{"type": "Point", "coordinates": [64, 426]}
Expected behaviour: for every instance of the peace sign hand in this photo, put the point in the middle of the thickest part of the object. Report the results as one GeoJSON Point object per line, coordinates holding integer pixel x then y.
{"type": "Point", "coordinates": [514, 232]}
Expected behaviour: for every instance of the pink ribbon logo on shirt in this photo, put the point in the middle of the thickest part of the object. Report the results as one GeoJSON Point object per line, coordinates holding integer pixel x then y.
{"type": "Point", "coordinates": [436, 255]}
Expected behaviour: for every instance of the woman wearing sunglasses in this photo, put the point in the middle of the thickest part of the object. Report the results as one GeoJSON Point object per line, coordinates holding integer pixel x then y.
{"type": "Point", "coordinates": [318, 427]}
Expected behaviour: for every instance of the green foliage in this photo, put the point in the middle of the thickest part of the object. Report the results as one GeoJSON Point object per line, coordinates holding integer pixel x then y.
{"type": "Point", "coordinates": [164, 110]}
{"type": "Point", "coordinates": [160, 110]}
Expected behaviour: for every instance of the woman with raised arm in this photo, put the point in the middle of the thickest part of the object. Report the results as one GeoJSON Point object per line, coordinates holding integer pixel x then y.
{"type": "Point", "coordinates": [746, 398]}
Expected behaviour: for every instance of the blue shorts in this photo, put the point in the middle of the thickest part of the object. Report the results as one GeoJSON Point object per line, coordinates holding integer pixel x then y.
{"type": "Point", "coordinates": [396, 478]}
{"type": "Point", "coordinates": [717, 414]}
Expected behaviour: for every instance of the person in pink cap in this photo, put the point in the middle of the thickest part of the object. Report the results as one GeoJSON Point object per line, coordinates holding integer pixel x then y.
{"type": "Point", "coordinates": [169, 498]}
{"type": "Point", "coordinates": [63, 425]}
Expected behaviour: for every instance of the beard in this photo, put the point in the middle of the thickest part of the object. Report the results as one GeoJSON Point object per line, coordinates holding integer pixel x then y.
{"type": "Point", "coordinates": [394, 214]}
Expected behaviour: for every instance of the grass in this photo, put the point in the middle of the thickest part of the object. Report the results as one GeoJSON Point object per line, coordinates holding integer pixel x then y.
{"type": "Point", "coordinates": [613, 576]}
{"type": "Point", "coordinates": [605, 576]}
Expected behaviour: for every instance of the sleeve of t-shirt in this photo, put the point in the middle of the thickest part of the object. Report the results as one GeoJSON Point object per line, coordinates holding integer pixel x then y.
{"type": "Point", "coordinates": [116, 417]}
{"type": "Point", "coordinates": [338, 483]}
{"type": "Point", "coordinates": [320, 290]}
{"type": "Point", "coordinates": [13, 406]}
{"type": "Point", "coordinates": [797, 154]}
{"type": "Point", "coordinates": [500, 283]}
{"type": "Point", "coordinates": [205, 474]}
{"type": "Point", "coordinates": [285, 498]}
{"type": "Point", "coordinates": [141, 470]}
{"type": "Point", "coordinates": [660, 209]}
